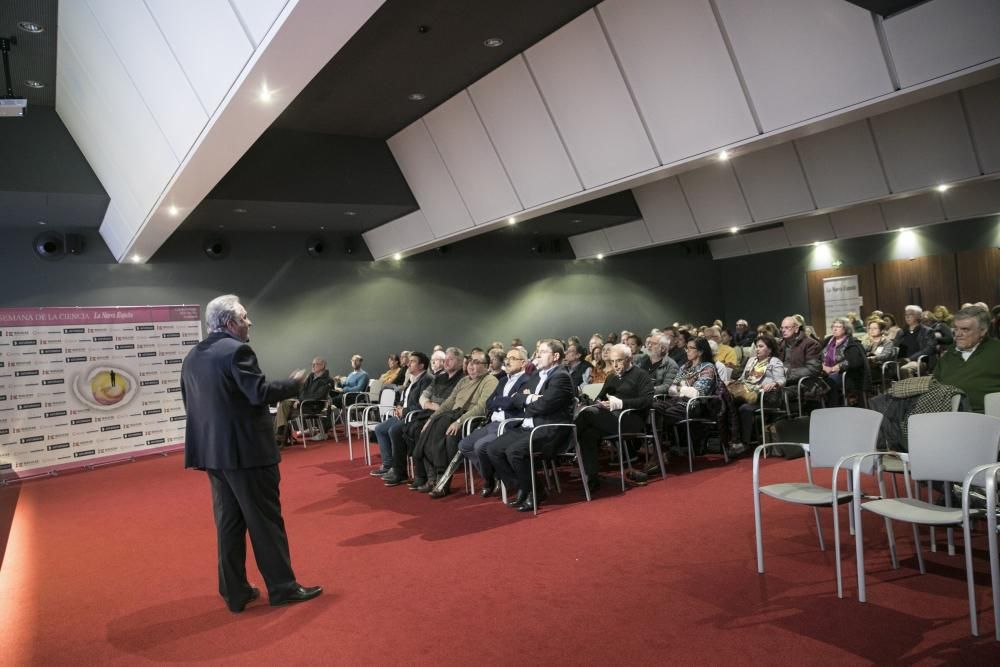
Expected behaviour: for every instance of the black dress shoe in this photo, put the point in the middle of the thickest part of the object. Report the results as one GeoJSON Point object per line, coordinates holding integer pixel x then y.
{"type": "Point", "coordinates": [440, 493]}
{"type": "Point", "coordinates": [298, 594]}
{"type": "Point", "coordinates": [593, 483]}
{"type": "Point", "coordinates": [519, 500]}
{"type": "Point", "coordinates": [380, 472]}
{"type": "Point", "coordinates": [240, 606]}
{"type": "Point", "coordinates": [528, 505]}
{"type": "Point", "coordinates": [416, 484]}
{"type": "Point", "coordinates": [426, 487]}
{"type": "Point", "coordinates": [394, 479]}
{"type": "Point", "coordinates": [489, 488]}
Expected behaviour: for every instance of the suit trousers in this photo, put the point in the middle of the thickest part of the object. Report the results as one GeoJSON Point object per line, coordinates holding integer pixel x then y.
{"type": "Point", "coordinates": [472, 444]}
{"type": "Point", "coordinates": [404, 445]}
{"type": "Point", "coordinates": [507, 458]}
{"type": "Point", "coordinates": [248, 500]}
{"type": "Point", "coordinates": [593, 426]}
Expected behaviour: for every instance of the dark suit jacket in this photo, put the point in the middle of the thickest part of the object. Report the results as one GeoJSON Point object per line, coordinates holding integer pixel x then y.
{"type": "Point", "coordinates": [554, 406]}
{"type": "Point", "coordinates": [578, 371]}
{"type": "Point", "coordinates": [500, 401]}
{"type": "Point", "coordinates": [413, 398]}
{"type": "Point", "coordinates": [317, 387]}
{"type": "Point", "coordinates": [226, 398]}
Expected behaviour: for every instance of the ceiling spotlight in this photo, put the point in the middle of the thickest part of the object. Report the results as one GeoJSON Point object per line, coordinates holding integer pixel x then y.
{"type": "Point", "coordinates": [42, 222]}
{"type": "Point", "coordinates": [265, 94]}
{"type": "Point", "coordinates": [724, 155]}
{"type": "Point", "coordinates": [416, 97]}
{"type": "Point", "coordinates": [31, 83]}
{"type": "Point", "coordinates": [397, 257]}
{"type": "Point", "coordinates": [322, 229]}
{"type": "Point", "coordinates": [511, 221]}
{"type": "Point", "coordinates": [239, 210]}
{"type": "Point", "coordinates": [734, 230]}
{"type": "Point", "coordinates": [136, 258]}
{"type": "Point", "coordinates": [576, 221]}
{"type": "Point", "coordinates": [222, 226]}
{"type": "Point", "coordinates": [943, 187]}
{"type": "Point", "coordinates": [816, 244]}
{"type": "Point", "coordinates": [30, 26]}
{"type": "Point", "coordinates": [274, 226]}
{"type": "Point", "coordinates": [600, 255]}
{"type": "Point", "coordinates": [493, 42]}
{"type": "Point", "coordinates": [172, 210]}
{"type": "Point", "coordinates": [903, 230]}
{"type": "Point", "coordinates": [350, 212]}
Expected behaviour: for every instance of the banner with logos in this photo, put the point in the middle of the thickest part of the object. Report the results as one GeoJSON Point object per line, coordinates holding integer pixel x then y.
{"type": "Point", "coordinates": [841, 295]}
{"type": "Point", "coordinates": [80, 386]}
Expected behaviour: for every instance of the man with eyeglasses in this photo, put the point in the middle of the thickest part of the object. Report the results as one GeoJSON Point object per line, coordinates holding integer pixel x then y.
{"type": "Point", "coordinates": [316, 388]}
{"type": "Point", "coordinates": [438, 440]}
{"type": "Point", "coordinates": [499, 406]}
{"type": "Point", "coordinates": [626, 388]}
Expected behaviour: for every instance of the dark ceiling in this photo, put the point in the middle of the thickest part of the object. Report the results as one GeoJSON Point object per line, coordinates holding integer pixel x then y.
{"type": "Point", "coordinates": [33, 57]}
{"type": "Point", "coordinates": [886, 7]}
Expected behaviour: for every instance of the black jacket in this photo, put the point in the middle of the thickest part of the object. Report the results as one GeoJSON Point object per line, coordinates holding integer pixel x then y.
{"type": "Point", "coordinates": [413, 398]}
{"type": "Point", "coordinates": [634, 388]}
{"type": "Point", "coordinates": [317, 387]}
{"type": "Point", "coordinates": [553, 406]}
{"type": "Point", "coordinates": [226, 397]}
{"type": "Point", "coordinates": [500, 401]}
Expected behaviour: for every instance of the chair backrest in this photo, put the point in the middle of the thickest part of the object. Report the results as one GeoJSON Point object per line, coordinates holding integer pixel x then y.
{"type": "Point", "coordinates": [592, 390]}
{"type": "Point", "coordinates": [374, 387]}
{"type": "Point", "coordinates": [387, 398]}
{"type": "Point", "coordinates": [945, 446]}
{"type": "Point", "coordinates": [837, 432]}
{"type": "Point", "coordinates": [992, 402]}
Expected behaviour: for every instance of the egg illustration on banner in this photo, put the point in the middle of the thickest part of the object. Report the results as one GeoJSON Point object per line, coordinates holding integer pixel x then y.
{"type": "Point", "coordinates": [105, 387]}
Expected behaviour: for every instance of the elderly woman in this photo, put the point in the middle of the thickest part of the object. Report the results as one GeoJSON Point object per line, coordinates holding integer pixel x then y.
{"type": "Point", "coordinates": [599, 354]}
{"type": "Point", "coordinates": [697, 377]}
{"type": "Point", "coordinates": [395, 373]}
{"type": "Point", "coordinates": [879, 347]}
{"type": "Point", "coordinates": [842, 354]}
{"type": "Point", "coordinates": [763, 372]}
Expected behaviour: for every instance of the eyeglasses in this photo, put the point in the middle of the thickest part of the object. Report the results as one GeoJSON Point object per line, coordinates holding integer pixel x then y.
{"type": "Point", "coordinates": [514, 359]}
{"type": "Point", "coordinates": [692, 347]}
{"type": "Point", "coordinates": [616, 361]}
{"type": "Point", "coordinates": [480, 362]}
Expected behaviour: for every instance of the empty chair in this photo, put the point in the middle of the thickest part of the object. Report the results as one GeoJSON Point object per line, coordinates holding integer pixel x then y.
{"type": "Point", "coordinates": [943, 446]}
{"type": "Point", "coordinates": [834, 433]}
{"type": "Point", "coordinates": [992, 404]}
{"type": "Point", "coordinates": [991, 472]}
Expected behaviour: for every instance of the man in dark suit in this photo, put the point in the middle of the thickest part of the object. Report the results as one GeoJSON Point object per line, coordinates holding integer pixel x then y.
{"type": "Point", "coordinates": [499, 406]}
{"type": "Point", "coordinates": [229, 435]}
{"type": "Point", "coordinates": [388, 431]}
{"type": "Point", "coordinates": [548, 399]}
{"type": "Point", "coordinates": [316, 388]}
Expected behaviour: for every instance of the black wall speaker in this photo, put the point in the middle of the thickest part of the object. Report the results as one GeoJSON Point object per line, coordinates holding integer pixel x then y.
{"type": "Point", "coordinates": [348, 245]}
{"type": "Point", "coordinates": [216, 247]}
{"type": "Point", "coordinates": [74, 243]}
{"type": "Point", "coordinates": [50, 245]}
{"type": "Point", "coordinates": [315, 247]}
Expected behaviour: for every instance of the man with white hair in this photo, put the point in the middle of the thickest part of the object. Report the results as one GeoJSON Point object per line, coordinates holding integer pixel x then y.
{"type": "Point", "coordinates": [914, 341]}
{"type": "Point", "coordinates": [316, 388]}
{"type": "Point", "coordinates": [228, 435]}
{"type": "Point", "coordinates": [973, 364]}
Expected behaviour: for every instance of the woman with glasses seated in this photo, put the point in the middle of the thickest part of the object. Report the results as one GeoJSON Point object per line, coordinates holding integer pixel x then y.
{"type": "Point", "coordinates": [763, 372]}
{"type": "Point", "coordinates": [842, 355]}
{"type": "Point", "coordinates": [697, 377]}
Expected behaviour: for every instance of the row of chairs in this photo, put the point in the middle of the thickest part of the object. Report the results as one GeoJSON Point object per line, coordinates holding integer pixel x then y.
{"type": "Point", "coordinates": [944, 448]}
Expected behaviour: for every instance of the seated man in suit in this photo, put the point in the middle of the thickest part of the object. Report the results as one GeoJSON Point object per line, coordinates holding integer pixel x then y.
{"type": "Point", "coordinates": [387, 432]}
{"type": "Point", "coordinates": [439, 436]}
{"type": "Point", "coordinates": [356, 380]}
{"type": "Point", "coordinates": [628, 387]}
{"type": "Point", "coordinates": [578, 367]}
{"type": "Point", "coordinates": [547, 399]}
{"type": "Point", "coordinates": [498, 407]}
{"type": "Point", "coordinates": [316, 388]}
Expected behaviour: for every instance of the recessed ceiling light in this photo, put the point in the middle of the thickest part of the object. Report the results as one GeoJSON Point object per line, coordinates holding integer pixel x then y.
{"type": "Point", "coordinates": [172, 210]}
{"type": "Point", "coordinates": [222, 226]}
{"type": "Point", "coordinates": [943, 187]}
{"type": "Point", "coordinates": [136, 258]}
{"type": "Point", "coordinates": [239, 210]}
{"type": "Point", "coordinates": [600, 255]}
{"type": "Point", "coordinates": [724, 155]}
{"type": "Point", "coordinates": [31, 83]}
{"type": "Point", "coordinates": [30, 26]}
{"type": "Point", "coordinates": [42, 222]}
{"type": "Point", "coordinates": [903, 230]}
{"type": "Point", "coordinates": [397, 257]}
{"type": "Point", "coordinates": [322, 229]}
{"type": "Point", "coordinates": [576, 221]}
{"type": "Point", "coordinates": [265, 94]}
{"type": "Point", "coordinates": [416, 97]}
{"type": "Point", "coordinates": [493, 42]}
{"type": "Point", "coordinates": [274, 226]}
{"type": "Point", "coordinates": [734, 230]}
{"type": "Point", "coordinates": [511, 221]}
{"type": "Point", "coordinates": [350, 212]}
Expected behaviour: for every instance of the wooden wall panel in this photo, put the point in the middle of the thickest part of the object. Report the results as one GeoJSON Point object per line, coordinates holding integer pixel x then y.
{"type": "Point", "coordinates": [979, 276]}
{"type": "Point", "coordinates": [923, 281]}
{"type": "Point", "coordinates": [814, 286]}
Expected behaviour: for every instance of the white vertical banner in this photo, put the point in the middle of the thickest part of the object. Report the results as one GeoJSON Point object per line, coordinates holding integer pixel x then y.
{"type": "Point", "coordinates": [80, 386]}
{"type": "Point", "coordinates": [841, 295]}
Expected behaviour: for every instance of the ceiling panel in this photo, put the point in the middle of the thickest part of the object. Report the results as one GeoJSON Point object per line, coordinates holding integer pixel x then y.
{"type": "Point", "coordinates": [923, 209]}
{"type": "Point", "coordinates": [715, 197]}
{"type": "Point", "coordinates": [665, 211]}
{"type": "Point", "coordinates": [803, 58]}
{"type": "Point", "coordinates": [942, 36]}
{"type": "Point", "coordinates": [628, 236]}
{"type": "Point", "coordinates": [858, 221]}
{"type": "Point", "coordinates": [925, 144]}
{"type": "Point", "coordinates": [428, 178]}
{"type": "Point", "coordinates": [972, 200]}
{"type": "Point", "coordinates": [590, 244]}
{"type": "Point", "coordinates": [767, 240]}
{"type": "Point", "coordinates": [680, 72]}
{"type": "Point", "coordinates": [524, 135]}
{"type": "Point", "coordinates": [773, 183]}
{"type": "Point", "coordinates": [813, 229]}
{"type": "Point", "coordinates": [472, 162]}
{"type": "Point", "coordinates": [584, 90]}
{"type": "Point", "coordinates": [399, 235]}
{"type": "Point", "coordinates": [982, 105]}
{"type": "Point", "coordinates": [729, 246]}
{"type": "Point", "coordinates": [842, 165]}
{"type": "Point", "coordinates": [258, 16]}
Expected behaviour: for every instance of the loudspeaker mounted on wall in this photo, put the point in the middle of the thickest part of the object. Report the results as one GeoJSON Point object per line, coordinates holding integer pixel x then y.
{"type": "Point", "coordinates": [74, 243]}
{"type": "Point", "coordinates": [216, 247]}
{"type": "Point", "coordinates": [315, 247]}
{"type": "Point", "coordinates": [50, 246]}
{"type": "Point", "coordinates": [348, 245]}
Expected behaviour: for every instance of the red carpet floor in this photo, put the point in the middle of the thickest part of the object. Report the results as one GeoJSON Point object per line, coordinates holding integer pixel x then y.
{"type": "Point", "coordinates": [117, 566]}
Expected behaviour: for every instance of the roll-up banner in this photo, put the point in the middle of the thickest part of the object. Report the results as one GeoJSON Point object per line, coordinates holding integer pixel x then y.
{"type": "Point", "coordinates": [84, 386]}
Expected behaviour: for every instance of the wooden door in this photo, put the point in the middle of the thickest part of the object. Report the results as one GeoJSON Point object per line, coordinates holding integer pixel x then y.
{"type": "Point", "coordinates": [979, 276]}
{"type": "Point", "coordinates": [921, 281]}
{"type": "Point", "coordinates": [814, 286]}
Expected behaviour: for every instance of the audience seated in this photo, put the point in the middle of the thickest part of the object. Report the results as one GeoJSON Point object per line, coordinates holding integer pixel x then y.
{"type": "Point", "coordinates": [726, 354]}
{"type": "Point", "coordinates": [843, 355]}
{"type": "Point", "coordinates": [388, 431]}
{"type": "Point", "coordinates": [547, 398]}
{"type": "Point", "coordinates": [600, 368]}
{"type": "Point", "coordinates": [578, 367]}
{"type": "Point", "coordinates": [316, 388]}
{"type": "Point", "coordinates": [697, 377]}
{"type": "Point", "coordinates": [973, 364]}
{"type": "Point", "coordinates": [395, 373]}
{"type": "Point", "coordinates": [356, 380]}
{"type": "Point", "coordinates": [764, 372]}
{"type": "Point", "coordinates": [800, 354]}
{"type": "Point", "coordinates": [915, 340]}
{"type": "Point", "coordinates": [662, 369]}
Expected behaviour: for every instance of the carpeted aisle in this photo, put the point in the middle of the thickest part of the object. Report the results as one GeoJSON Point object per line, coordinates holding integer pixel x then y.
{"type": "Point", "coordinates": [117, 566]}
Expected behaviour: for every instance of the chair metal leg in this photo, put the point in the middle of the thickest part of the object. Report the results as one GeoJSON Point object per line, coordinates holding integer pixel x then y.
{"type": "Point", "coordinates": [950, 531]}
{"type": "Point", "coordinates": [850, 515]}
{"type": "Point", "coordinates": [920, 553]}
{"type": "Point", "coordinates": [690, 447]}
{"type": "Point", "coordinates": [991, 531]}
{"type": "Point", "coordinates": [621, 458]}
{"type": "Point", "coordinates": [583, 473]}
{"type": "Point", "coordinates": [930, 498]}
{"type": "Point", "coordinates": [534, 490]}
{"type": "Point", "coordinates": [659, 448]}
{"type": "Point", "coordinates": [819, 529]}
{"type": "Point", "coordinates": [859, 550]}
